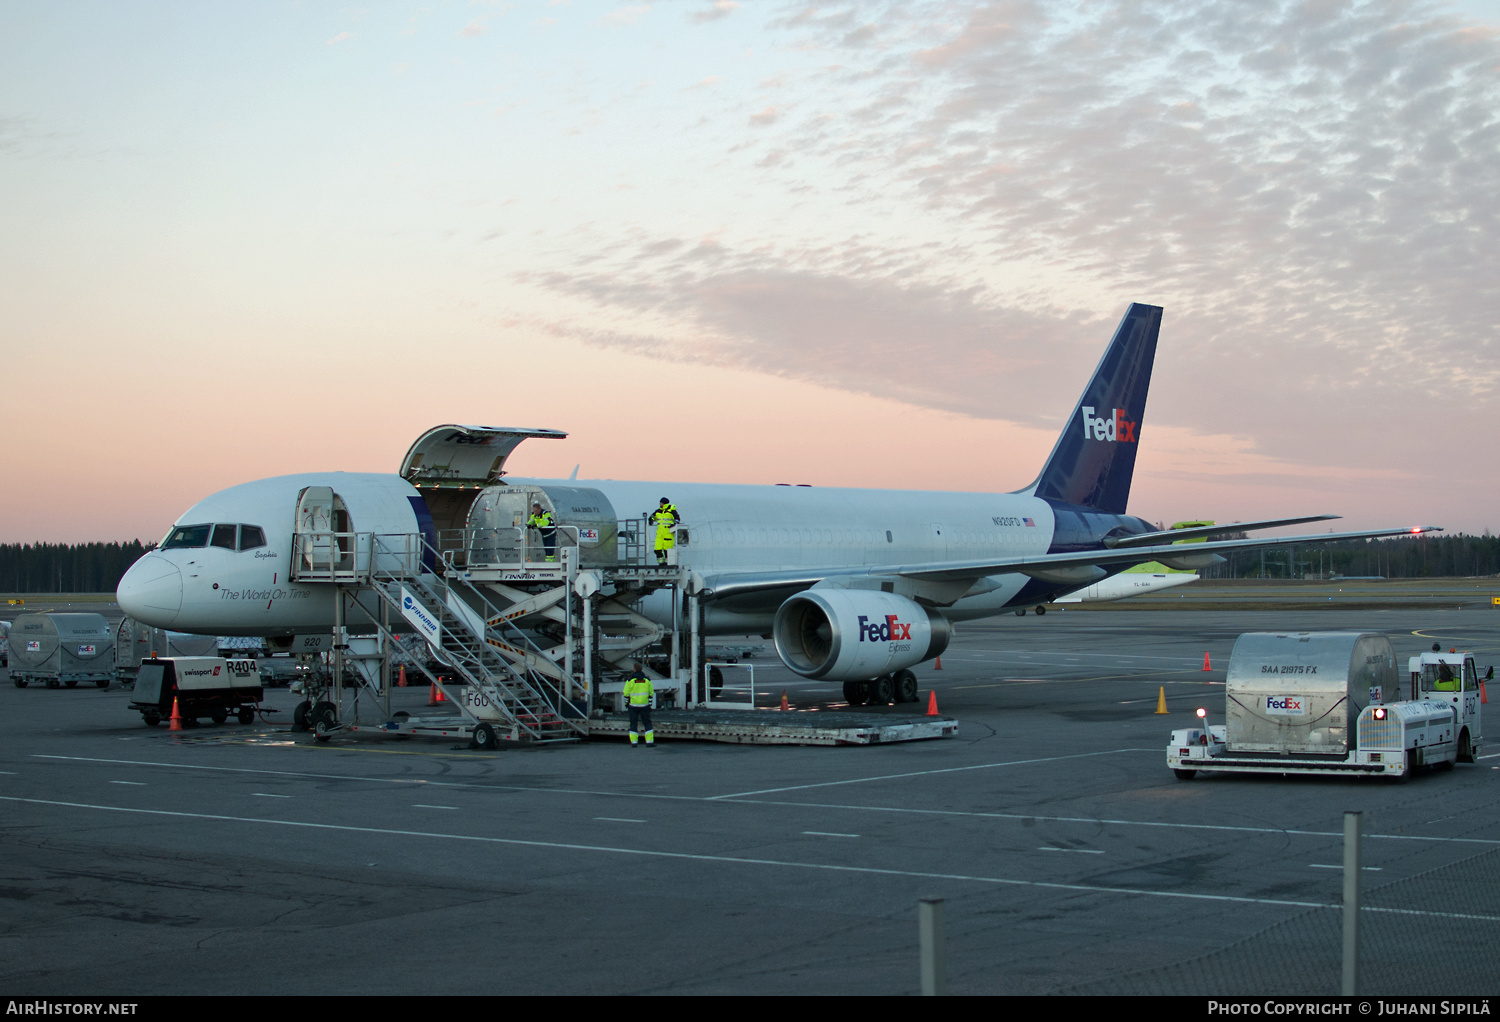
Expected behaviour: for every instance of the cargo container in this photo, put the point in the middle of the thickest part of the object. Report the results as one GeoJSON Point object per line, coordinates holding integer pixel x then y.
{"type": "Point", "coordinates": [1298, 692]}
{"type": "Point", "coordinates": [61, 649]}
{"type": "Point", "coordinates": [135, 642]}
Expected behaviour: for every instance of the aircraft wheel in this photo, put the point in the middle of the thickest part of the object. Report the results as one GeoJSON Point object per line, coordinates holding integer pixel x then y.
{"type": "Point", "coordinates": [856, 692]}
{"type": "Point", "coordinates": [246, 715]}
{"type": "Point", "coordinates": [322, 719]}
{"type": "Point", "coordinates": [1185, 775]}
{"type": "Point", "coordinates": [1040, 610]}
{"type": "Point", "coordinates": [906, 686]}
{"type": "Point", "coordinates": [882, 690]}
{"type": "Point", "coordinates": [484, 738]}
{"type": "Point", "coordinates": [1021, 612]}
{"type": "Point", "coordinates": [299, 716]}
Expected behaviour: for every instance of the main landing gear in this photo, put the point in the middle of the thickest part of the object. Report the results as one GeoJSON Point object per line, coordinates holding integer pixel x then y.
{"type": "Point", "coordinates": [900, 687]}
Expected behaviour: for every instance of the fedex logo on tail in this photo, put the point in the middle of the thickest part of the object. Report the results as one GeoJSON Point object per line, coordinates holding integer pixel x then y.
{"type": "Point", "coordinates": [1116, 428]}
{"type": "Point", "coordinates": [888, 630]}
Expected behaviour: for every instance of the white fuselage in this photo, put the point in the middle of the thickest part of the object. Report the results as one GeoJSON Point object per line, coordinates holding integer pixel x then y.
{"type": "Point", "coordinates": [733, 528]}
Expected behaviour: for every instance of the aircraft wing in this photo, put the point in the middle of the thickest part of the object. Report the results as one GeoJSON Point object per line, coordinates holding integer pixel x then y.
{"type": "Point", "coordinates": [1062, 568]}
{"type": "Point", "coordinates": [1208, 531]}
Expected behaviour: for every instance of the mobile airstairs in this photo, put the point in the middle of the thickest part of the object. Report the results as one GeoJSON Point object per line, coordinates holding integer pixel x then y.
{"type": "Point", "coordinates": [522, 646]}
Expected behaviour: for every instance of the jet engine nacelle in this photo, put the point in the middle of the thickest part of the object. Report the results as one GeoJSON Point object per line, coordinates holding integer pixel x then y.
{"type": "Point", "coordinates": [856, 634]}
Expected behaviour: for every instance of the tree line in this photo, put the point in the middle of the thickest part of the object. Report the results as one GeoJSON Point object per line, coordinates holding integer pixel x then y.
{"type": "Point", "coordinates": [66, 567]}
{"type": "Point", "coordinates": [1428, 556]}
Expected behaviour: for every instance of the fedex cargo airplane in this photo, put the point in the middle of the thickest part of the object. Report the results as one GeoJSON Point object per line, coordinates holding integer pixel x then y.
{"type": "Point", "coordinates": [853, 585]}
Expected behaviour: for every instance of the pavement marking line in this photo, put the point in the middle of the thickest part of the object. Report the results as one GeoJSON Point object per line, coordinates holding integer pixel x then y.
{"type": "Point", "coordinates": [824, 833]}
{"type": "Point", "coordinates": [1490, 756]}
{"type": "Point", "coordinates": [1082, 851]}
{"type": "Point", "coordinates": [137, 784]}
{"type": "Point", "coordinates": [735, 859]}
{"type": "Point", "coordinates": [1092, 820]}
{"type": "Point", "coordinates": [419, 805]}
{"type": "Point", "coordinates": [267, 794]}
{"type": "Point", "coordinates": [959, 654]}
{"type": "Point", "coordinates": [922, 773]}
{"type": "Point", "coordinates": [1319, 865]}
{"type": "Point", "coordinates": [617, 819]}
{"type": "Point", "coordinates": [380, 780]}
{"type": "Point", "coordinates": [1098, 821]}
{"type": "Point", "coordinates": [1154, 677]}
{"type": "Point", "coordinates": [10, 773]}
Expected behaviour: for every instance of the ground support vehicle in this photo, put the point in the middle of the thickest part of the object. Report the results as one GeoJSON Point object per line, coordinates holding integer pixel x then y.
{"type": "Point", "coordinates": [203, 686]}
{"type": "Point", "coordinates": [1459, 686]}
{"type": "Point", "coordinates": [1288, 697]}
{"type": "Point", "coordinates": [61, 649]}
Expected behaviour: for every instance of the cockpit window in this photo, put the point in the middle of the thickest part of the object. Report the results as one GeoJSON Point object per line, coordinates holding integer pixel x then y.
{"type": "Point", "coordinates": [188, 536]}
{"type": "Point", "coordinates": [223, 536]}
{"type": "Point", "coordinates": [251, 536]}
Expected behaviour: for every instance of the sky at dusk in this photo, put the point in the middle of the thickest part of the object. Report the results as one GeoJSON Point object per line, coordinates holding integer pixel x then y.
{"type": "Point", "coordinates": [876, 245]}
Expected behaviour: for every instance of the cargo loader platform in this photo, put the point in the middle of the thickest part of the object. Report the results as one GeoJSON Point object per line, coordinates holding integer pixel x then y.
{"type": "Point", "coordinates": [780, 727]}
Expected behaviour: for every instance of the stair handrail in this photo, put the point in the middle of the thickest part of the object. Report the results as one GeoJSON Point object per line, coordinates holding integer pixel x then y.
{"type": "Point", "coordinates": [548, 693]}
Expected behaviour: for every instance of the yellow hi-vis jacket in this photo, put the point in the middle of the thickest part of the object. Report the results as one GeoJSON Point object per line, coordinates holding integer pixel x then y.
{"type": "Point", "coordinates": [665, 517]}
{"type": "Point", "coordinates": [638, 691]}
{"type": "Point", "coordinates": [541, 521]}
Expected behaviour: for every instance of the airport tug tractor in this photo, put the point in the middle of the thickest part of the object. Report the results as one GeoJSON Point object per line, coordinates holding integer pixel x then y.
{"type": "Point", "coordinates": [1290, 698]}
{"type": "Point", "coordinates": [203, 686]}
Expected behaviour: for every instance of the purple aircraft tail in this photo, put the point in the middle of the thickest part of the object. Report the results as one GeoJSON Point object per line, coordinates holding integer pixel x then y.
{"type": "Point", "coordinates": [1094, 458]}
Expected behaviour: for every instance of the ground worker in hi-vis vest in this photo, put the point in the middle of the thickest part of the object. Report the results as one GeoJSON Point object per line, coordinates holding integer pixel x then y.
{"type": "Point", "coordinates": [666, 518]}
{"type": "Point", "coordinates": [638, 693]}
{"type": "Point", "coordinates": [541, 521]}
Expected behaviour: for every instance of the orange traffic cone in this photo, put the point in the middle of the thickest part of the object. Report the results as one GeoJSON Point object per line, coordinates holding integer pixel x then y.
{"type": "Point", "coordinates": [434, 695]}
{"type": "Point", "coordinates": [401, 677]}
{"type": "Point", "coordinates": [1483, 696]}
{"type": "Point", "coordinates": [1161, 701]}
{"type": "Point", "coordinates": [784, 706]}
{"type": "Point", "coordinates": [932, 710]}
{"type": "Point", "coordinates": [176, 724]}
{"type": "Point", "coordinates": [937, 664]}
{"type": "Point", "coordinates": [1206, 665]}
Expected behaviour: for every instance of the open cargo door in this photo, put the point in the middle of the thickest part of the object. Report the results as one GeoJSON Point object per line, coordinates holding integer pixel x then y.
{"type": "Point", "coordinates": [464, 456]}
{"type": "Point", "coordinates": [451, 465]}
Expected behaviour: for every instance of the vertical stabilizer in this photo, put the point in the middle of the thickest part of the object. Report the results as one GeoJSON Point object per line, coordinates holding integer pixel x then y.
{"type": "Point", "coordinates": [1095, 456]}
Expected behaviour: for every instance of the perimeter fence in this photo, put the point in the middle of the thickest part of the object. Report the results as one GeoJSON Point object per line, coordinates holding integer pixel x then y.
{"type": "Point", "coordinates": [1434, 933]}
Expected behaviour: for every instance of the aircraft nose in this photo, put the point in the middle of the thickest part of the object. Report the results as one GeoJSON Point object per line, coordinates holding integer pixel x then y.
{"type": "Point", "coordinates": [151, 591]}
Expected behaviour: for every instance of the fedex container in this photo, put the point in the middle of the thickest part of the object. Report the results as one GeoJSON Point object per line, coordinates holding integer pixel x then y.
{"type": "Point", "coordinates": [61, 649]}
{"type": "Point", "coordinates": [1299, 692]}
{"type": "Point", "coordinates": [135, 642]}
